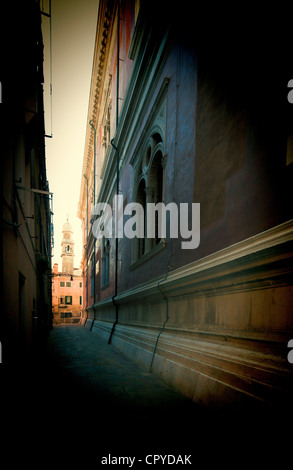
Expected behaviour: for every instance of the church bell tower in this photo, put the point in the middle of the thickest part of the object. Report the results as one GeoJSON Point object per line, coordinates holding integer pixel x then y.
{"type": "Point", "coordinates": [67, 248]}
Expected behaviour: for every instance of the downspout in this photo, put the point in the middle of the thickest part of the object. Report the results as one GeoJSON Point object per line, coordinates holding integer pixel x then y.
{"type": "Point", "coordinates": [165, 322]}
{"type": "Point", "coordinates": [117, 176]}
{"type": "Point", "coordinates": [87, 241]}
{"type": "Point", "coordinates": [116, 244]}
{"type": "Point", "coordinates": [93, 127]}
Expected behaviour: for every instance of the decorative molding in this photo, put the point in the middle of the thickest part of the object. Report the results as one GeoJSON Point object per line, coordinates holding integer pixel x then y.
{"type": "Point", "coordinates": [242, 373]}
{"type": "Point", "coordinates": [148, 255]}
{"type": "Point", "coordinates": [145, 75]}
{"type": "Point", "coordinates": [103, 36]}
{"type": "Point", "coordinates": [272, 237]}
{"type": "Point", "coordinates": [194, 364]}
{"type": "Point", "coordinates": [154, 120]}
{"type": "Point", "coordinates": [246, 255]}
{"type": "Point", "coordinates": [232, 269]}
{"type": "Point", "coordinates": [139, 31]}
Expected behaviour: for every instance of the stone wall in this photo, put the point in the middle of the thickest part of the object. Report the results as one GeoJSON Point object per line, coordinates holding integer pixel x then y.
{"type": "Point", "coordinates": [217, 329]}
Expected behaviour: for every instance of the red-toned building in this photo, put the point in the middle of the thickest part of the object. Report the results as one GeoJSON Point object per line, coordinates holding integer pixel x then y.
{"type": "Point", "coordinates": [67, 285]}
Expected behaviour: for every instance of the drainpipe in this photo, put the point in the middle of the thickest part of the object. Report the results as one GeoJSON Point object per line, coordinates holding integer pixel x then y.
{"type": "Point", "coordinates": [165, 322]}
{"type": "Point", "coordinates": [93, 127]}
{"type": "Point", "coordinates": [87, 241]}
{"type": "Point", "coordinates": [117, 173]}
{"type": "Point", "coordinates": [116, 243]}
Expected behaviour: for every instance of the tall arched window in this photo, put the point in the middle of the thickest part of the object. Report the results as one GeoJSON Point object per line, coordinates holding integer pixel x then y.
{"type": "Point", "coordinates": [149, 160]}
{"type": "Point", "coordinates": [141, 199]}
{"type": "Point", "coordinates": [150, 189]}
{"type": "Point", "coordinates": [156, 182]}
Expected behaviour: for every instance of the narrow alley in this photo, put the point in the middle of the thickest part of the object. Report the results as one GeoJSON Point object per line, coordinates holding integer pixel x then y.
{"type": "Point", "coordinates": [83, 402]}
{"type": "Point", "coordinates": [147, 202]}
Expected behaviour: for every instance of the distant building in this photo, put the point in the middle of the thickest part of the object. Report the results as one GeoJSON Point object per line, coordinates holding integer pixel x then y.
{"type": "Point", "coordinates": [26, 312]}
{"type": "Point", "coordinates": [67, 285]}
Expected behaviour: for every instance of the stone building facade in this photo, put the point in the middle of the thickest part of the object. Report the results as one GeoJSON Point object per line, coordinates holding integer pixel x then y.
{"type": "Point", "coordinates": [176, 117]}
{"type": "Point", "coordinates": [26, 312]}
{"type": "Point", "coordinates": [67, 284]}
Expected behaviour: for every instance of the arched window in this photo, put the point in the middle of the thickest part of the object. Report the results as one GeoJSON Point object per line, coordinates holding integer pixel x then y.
{"type": "Point", "coordinates": [149, 160]}
{"type": "Point", "coordinates": [156, 183]}
{"type": "Point", "coordinates": [141, 199]}
{"type": "Point", "coordinates": [150, 189]}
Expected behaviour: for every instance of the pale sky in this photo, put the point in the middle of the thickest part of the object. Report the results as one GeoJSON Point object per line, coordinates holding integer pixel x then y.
{"type": "Point", "coordinates": [73, 35]}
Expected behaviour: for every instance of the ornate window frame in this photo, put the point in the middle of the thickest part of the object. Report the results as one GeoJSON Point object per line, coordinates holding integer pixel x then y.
{"type": "Point", "coordinates": [149, 163]}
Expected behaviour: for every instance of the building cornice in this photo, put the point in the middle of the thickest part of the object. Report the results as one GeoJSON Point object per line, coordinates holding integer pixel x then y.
{"type": "Point", "coordinates": [250, 264]}
{"type": "Point", "coordinates": [106, 14]}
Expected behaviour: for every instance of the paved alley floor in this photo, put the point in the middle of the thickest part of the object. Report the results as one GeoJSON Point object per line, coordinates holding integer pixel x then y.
{"type": "Point", "coordinates": [124, 407]}
{"type": "Point", "coordinates": [84, 404]}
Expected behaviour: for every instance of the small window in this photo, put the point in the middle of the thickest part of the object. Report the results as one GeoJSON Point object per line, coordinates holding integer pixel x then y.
{"type": "Point", "coordinates": [65, 314]}
{"type": "Point", "coordinates": [80, 284]}
{"type": "Point", "coordinates": [68, 299]}
{"type": "Point", "coordinates": [62, 284]}
{"type": "Point", "coordinates": [80, 300]}
{"type": "Point", "coordinates": [68, 284]}
{"type": "Point", "coordinates": [61, 300]}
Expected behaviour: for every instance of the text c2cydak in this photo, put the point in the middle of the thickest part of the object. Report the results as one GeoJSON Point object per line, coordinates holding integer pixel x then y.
{"type": "Point", "coordinates": [148, 459]}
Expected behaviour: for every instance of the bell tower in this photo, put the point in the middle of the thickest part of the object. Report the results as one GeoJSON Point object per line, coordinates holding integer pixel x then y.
{"type": "Point", "coordinates": [67, 248]}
